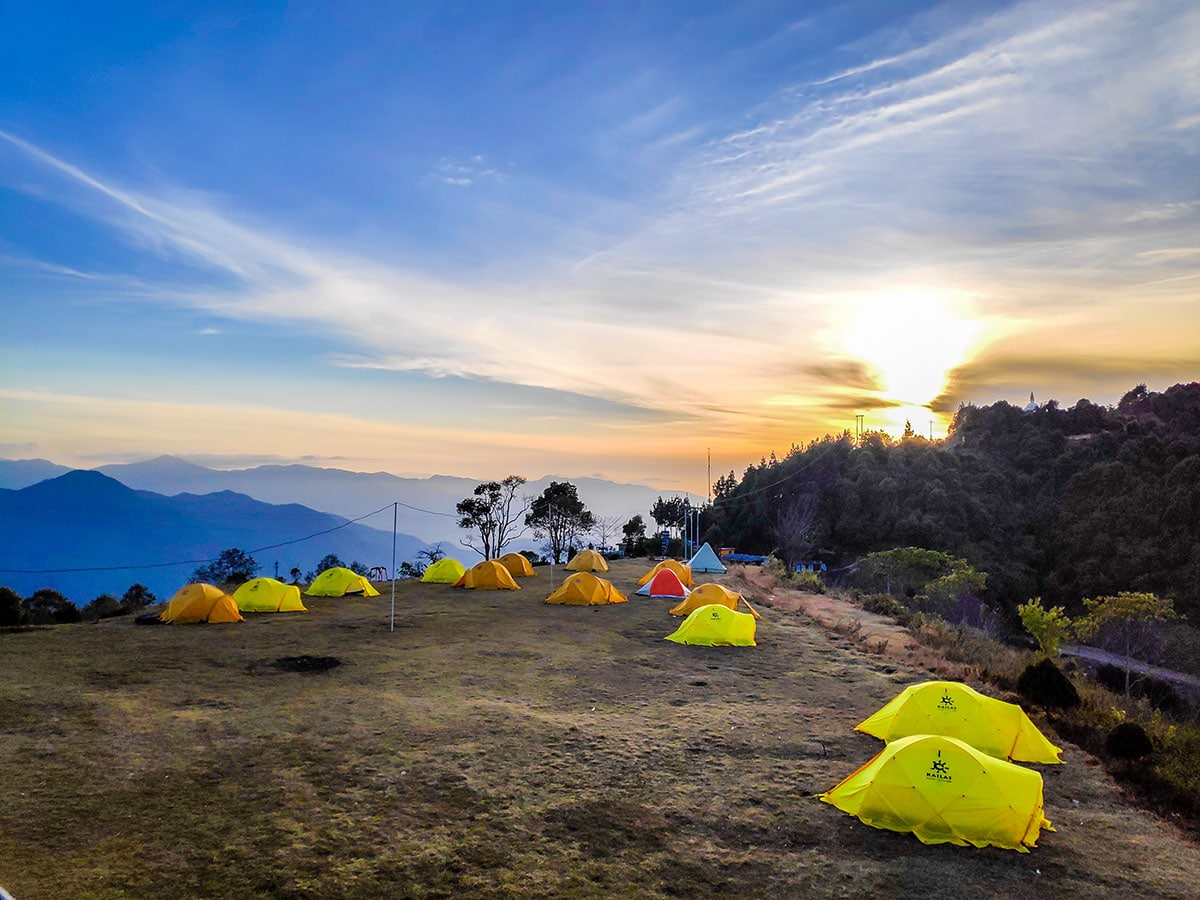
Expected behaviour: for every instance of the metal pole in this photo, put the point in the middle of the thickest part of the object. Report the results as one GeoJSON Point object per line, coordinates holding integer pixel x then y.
{"type": "Point", "coordinates": [395, 514]}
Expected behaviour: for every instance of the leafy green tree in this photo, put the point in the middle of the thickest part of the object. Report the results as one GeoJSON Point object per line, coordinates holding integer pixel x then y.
{"type": "Point", "coordinates": [1049, 627]}
{"type": "Point", "coordinates": [328, 561]}
{"type": "Point", "coordinates": [634, 533]}
{"type": "Point", "coordinates": [558, 516]}
{"type": "Point", "coordinates": [233, 566]}
{"type": "Point", "coordinates": [10, 607]}
{"type": "Point", "coordinates": [1124, 621]}
{"type": "Point", "coordinates": [410, 570]}
{"type": "Point", "coordinates": [495, 514]}
{"type": "Point", "coordinates": [668, 513]}
{"type": "Point", "coordinates": [137, 596]}
{"type": "Point", "coordinates": [48, 607]}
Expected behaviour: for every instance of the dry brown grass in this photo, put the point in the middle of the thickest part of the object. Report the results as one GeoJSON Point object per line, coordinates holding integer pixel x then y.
{"type": "Point", "coordinates": [494, 746]}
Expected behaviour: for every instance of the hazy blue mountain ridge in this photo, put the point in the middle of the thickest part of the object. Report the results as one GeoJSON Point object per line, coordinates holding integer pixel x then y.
{"type": "Point", "coordinates": [87, 520]}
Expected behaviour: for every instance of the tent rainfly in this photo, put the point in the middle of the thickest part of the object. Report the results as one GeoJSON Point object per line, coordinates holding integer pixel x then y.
{"type": "Point", "coordinates": [517, 565]}
{"type": "Point", "coordinates": [665, 584]}
{"type": "Point", "coordinates": [682, 572]}
{"type": "Point", "coordinates": [943, 790]}
{"type": "Point", "coordinates": [445, 571]}
{"type": "Point", "coordinates": [339, 581]}
{"type": "Point", "coordinates": [200, 602]}
{"type": "Point", "coordinates": [957, 710]}
{"type": "Point", "coordinates": [586, 589]}
{"type": "Point", "coordinates": [488, 575]}
{"type": "Point", "coordinates": [715, 626]}
{"type": "Point", "coordinates": [268, 595]}
{"type": "Point", "coordinates": [706, 560]}
{"type": "Point", "coordinates": [588, 561]}
{"type": "Point", "coordinates": [707, 594]}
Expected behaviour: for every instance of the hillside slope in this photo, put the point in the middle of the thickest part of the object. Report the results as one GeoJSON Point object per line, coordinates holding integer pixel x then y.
{"type": "Point", "coordinates": [494, 746]}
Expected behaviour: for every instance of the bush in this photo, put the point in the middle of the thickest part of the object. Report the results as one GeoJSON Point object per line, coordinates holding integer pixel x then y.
{"type": "Point", "coordinates": [10, 607]}
{"type": "Point", "coordinates": [808, 581]}
{"type": "Point", "coordinates": [103, 607]}
{"type": "Point", "coordinates": [48, 607]}
{"type": "Point", "coordinates": [1043, 684]}
{"type": "Point", "coordinates": [1128, 741]}
{"type": "Point", "coordinates": [1161, 695]}
{"type": "Point", "coordinates": [886, 605]}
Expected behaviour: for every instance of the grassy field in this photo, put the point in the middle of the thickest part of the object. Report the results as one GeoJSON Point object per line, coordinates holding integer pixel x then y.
{"type": "Point", "coordinates": [495, 746]}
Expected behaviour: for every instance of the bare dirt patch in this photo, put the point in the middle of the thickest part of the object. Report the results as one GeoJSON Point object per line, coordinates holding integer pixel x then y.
{"type": "Point", "coordinates": [496, 746]}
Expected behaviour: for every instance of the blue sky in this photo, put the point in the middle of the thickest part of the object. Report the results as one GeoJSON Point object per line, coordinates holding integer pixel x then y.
{"type": "Point", "coordinates": [607, 238]}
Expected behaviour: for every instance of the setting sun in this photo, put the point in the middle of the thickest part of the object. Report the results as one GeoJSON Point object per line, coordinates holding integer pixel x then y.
{"type": "Point", "coordinates": [909, 341]}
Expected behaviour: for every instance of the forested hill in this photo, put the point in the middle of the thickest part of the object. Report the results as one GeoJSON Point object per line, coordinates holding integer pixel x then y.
{"type": "Point", "coordinates": [1057, 503]}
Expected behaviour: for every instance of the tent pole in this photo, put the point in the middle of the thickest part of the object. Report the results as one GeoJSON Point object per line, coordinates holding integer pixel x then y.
{"type": "Point", "coordinates": [395, 514]}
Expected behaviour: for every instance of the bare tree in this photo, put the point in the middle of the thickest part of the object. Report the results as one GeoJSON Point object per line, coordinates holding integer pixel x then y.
{"type": "Point", "coordinates": [496, 513]}
{"type": "Point", "coordinates": [793, 527]}
{"type": "Point", "coordinates": [606, 529]}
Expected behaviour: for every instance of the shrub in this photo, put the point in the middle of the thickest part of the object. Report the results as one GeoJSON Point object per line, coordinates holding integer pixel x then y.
{"type": "Point", "coordinates": [886, 605]}
{"type": "Point", "coordinates": [10, 607]}
{"type": "Point", "coordinates": [103, 607]}
{"type": "Point", "coordinates": [808, 581]}
{"type": "Point", "coordinates": [1043, 684]}
{"type": "Point", "coordinates": [48, 607]}
{"type": "Point", "coordinates": [1128, 741]}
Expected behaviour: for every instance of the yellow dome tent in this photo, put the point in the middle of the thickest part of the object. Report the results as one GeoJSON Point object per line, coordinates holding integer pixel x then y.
{"type": "Point", "coordinates": [957, 710]}
{"type": "Point", "coordinates": [715, 626]}
{"type": "Point", "coordinates": [337, 582]}
{"type": "Point", "coordinates": [586, 589]}
{"type": "Point", "coordinates": [444, 571]}
{"type": "Point", "coordinates": [588, 561]}
{"type": "Point", "coordinates": [707, 594]}
{"type": "Point", "coordinates": [517, 565]}
{"type": "Point", "coordinates": [945, 791]}
{"type": "Point", "coordinates": [682, 571]}
{"type": "Point", "coordinates": [268, 595]}
{"type": "Point", "coordinates": [488, 575]}
{"type": "Point", "coordinates": [200, 602]}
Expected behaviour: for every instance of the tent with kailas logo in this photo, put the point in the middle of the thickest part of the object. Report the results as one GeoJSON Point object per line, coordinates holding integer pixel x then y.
{"type": "Point", "coordinates": [488, 575]}
{"type": "Point", "coordinates": [338, 582]}
{"type": "Point", "coordinates": [957, 710]}
{"type": "Point", "coordinates": [200, 602]}
{"type": "Point", "coordinates": [268, 595]}
{"type": "Point", "coordinates": [706, 560]}
{"type": "Point", "coordinates": [517, 565]}
{"type": "Point", "coordinates": [586, 589]}
{"type": "Point", "coordinates": [444, 571]}
{"type": "Point", "coordinates": [588, 561]}
{"type": "Point", "coordinates": [665, 584]}
{"type": "Point", "coordinates": [944, 790]}
{"type": "Point", "coordinates": [682, 572]}
{"type": "Point", "coordinates": [715, 626]}
{"type": "Point", "coordinates": [707, 594]}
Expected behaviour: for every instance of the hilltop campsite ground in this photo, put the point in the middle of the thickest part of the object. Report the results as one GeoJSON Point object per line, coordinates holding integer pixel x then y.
{"type": "Point", "coordinates": [493, 745]}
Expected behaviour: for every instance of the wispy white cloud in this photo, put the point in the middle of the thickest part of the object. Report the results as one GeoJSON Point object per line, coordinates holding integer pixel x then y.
{"type": "Point", "coordinates": [1042, 154]}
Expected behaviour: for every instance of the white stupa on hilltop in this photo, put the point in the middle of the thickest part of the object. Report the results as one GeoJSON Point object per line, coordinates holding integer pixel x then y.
{"type": "Point", "coordinates": [1032, 405]}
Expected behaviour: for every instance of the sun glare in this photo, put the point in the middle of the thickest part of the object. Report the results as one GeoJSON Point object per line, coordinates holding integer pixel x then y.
{"type": "Point", "coordinates": [910, 340]}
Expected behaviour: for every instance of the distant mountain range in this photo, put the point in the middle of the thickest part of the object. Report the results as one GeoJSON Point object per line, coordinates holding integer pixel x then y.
{"type": "Point", "coordinates": [167, 509]}
{"type": "Point", "coordinates": [426, 504]}
{"type": "Point", "coordinates": [84, 520]}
